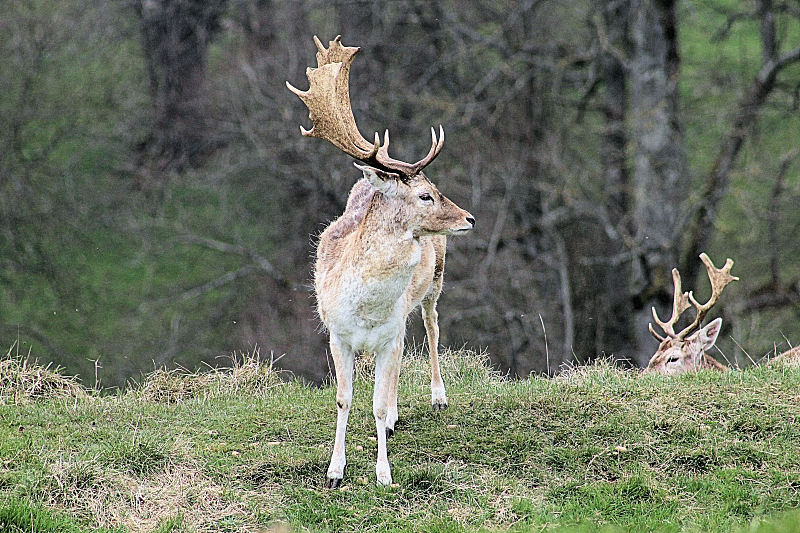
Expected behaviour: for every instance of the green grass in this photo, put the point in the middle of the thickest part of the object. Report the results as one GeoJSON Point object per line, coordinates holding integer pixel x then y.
{"type": "Point", "coordinates": [242, 450]}
{"type": "Point", "coordinates": [20, 516]}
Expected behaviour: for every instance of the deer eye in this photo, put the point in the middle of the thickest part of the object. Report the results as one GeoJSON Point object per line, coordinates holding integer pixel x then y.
{"type": "Point", "coordinates": [672, 359]}
{"type": "Point", "coordinates": [425, 197]}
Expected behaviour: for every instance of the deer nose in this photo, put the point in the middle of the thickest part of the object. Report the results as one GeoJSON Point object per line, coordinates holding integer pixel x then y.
{"type": "Point", "coordinates": [471, 221]}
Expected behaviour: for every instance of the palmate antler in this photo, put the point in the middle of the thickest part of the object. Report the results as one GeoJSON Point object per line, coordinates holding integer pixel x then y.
{"type": "Point", "coordinates": [328, 102]}
{"type": "Point", "coordinates": [720, 278]}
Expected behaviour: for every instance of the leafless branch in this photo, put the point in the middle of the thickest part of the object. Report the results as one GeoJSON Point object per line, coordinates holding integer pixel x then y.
{"type": "Point", "coordinates": [248, 253]}
{"type": "Point", "coordinates": [766, 17]}
{"type": "Point", "coordinates": [718, 177]}
{"type": "Point", "coordinates": [499, 223]}
{"type": "Point", "coordinates": [590, 88]}
{"type": "Point", "coordinates": [580, 209]}
{"type": "Point", "coordinates": [772, 214]}
{"type": "Point", "coordinates": [207, 287]}
{"type": "Point", "coordinates": [730, 20]}
{"type": "Point", "coordinates": [606, 46]}
{"type": "Point", "coordinates": [770, 296]}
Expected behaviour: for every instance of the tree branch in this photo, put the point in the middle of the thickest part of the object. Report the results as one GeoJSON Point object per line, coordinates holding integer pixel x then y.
{"type": "Point", "coordinates": [769, 45]}
{"type": "Point", "coordinates": [717, 180]}
{"type": "Point", "coordinates": [772, 215]}
{"type": "Point", "coordinates": [730, 20]}
{"type": "Point", "coordinates": [261, 262]}
{"type": "Point", "coordinates": [771, 296]}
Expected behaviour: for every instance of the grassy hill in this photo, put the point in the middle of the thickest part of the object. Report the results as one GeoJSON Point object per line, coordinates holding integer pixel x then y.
{"type": "Point", "coordinates": [243, 450]}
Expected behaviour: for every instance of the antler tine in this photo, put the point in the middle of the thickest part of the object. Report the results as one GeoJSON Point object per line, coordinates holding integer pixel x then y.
{"type": "Point", "coordinates": [436, 147]}
{"type": "Point", "coordinates": [321, 47]}
{"type": "Point", "coordinates": [680, 303]}
{"type": "Point", "coordinates": [330, 111]}
{"type": "Point", "coordinates": [720, 278]}
{"type": "Point", "coordinates": [658, 337]}
{"type": "Point", "coordinates": [411, 169]}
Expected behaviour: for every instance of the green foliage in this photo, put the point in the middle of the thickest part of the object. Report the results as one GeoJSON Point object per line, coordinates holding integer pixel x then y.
{"type": "Point", "coordinates": [596, 449]}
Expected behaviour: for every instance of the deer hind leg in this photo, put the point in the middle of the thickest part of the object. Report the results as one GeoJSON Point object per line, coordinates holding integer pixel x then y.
{"type": "Point", "coordinates": [343, 360]}
{"type": "Point", "coordinates": [387, 367]}
{"type": "Point", "coordinates": [431, 319]}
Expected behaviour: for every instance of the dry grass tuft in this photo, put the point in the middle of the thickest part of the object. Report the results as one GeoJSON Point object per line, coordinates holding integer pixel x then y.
{"type": "Point", "coordinates": [23, 380]}
{"type": "Point", "coordinates": [248, 374]}
{"type": "Point", "coordinates": [457, 365]}
{"type": "Point", "coordinates": [600, 368]}
{"type": "Point", "coordinates": [182, 492]}
{"type": "Point", "coordinates": [179, 491]}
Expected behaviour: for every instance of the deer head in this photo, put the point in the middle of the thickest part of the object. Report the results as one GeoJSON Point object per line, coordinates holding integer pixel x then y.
{"type": "Point", "coordinates": [415, 205]}
{"type": "Point", "coordinates": [685, 351]}
{"type": "Point", "coordinates": [423, 209]}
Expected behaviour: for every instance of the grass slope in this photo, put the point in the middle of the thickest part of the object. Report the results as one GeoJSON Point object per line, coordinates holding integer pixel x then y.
{"type": "Point", "coordinates": [242, 450]}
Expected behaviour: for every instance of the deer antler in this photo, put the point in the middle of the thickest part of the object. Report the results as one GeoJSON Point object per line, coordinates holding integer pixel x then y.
{"type": "Point", "coordinates": [328, 102]}
{"type": "Point", "coordinates": [680, 303]}
{"type": "Point", "coordinates": [720, 278]}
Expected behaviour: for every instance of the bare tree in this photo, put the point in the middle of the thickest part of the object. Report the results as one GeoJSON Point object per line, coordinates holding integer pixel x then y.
{"type": "Point", "coordinates": [582, 226]}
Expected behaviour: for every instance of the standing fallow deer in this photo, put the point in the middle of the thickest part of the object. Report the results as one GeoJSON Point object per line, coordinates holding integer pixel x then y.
{"type": "Point", "coordinates": [685, 351]}
{"type": "Point", "coordinates": [378, 261]}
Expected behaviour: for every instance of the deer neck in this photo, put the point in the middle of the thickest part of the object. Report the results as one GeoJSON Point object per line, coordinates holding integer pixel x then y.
{"type": "Point", "coordinates": [712, 364]}
{"type": "Point", "coordinates": [386, 244]}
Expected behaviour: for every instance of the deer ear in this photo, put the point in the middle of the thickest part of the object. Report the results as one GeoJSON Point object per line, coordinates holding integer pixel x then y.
{"type": "Point", "coordinates": [385, 182]}
{"type": "Point", "coordinates": [707, 336]}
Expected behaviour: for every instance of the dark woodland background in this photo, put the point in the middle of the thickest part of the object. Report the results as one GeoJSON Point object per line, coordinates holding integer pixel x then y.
{"type": "Point", "coordinates": [158, 205]}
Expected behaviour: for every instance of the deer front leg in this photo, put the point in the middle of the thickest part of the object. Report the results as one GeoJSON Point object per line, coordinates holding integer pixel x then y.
{"type": "Point", "coordinates": [431, 319]}
{"type": "Point", "coordinates": [391, 415]}
{"type": "Point", "coordinates": [387, 363]}
{"type": "Point", "coordinates": [343, 358]}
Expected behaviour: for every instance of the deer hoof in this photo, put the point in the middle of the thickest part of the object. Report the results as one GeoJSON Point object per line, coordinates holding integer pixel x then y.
{"type": "Point", "coordinates": [439, 406]}
{"type": "Point", "coordinates": [389, 432]}
{"type": "Point", "coordinates": [384, 479]}
{"type": "Point", "coordinates": [332, 482]}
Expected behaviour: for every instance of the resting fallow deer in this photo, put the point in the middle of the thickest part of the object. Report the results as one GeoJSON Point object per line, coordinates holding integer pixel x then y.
{"type": "Point", "coordinates": [790, 357]}
{"type": "Point", "coordinates": [686, 351]}
{"type": "Point", "coordinates": [383, 257]}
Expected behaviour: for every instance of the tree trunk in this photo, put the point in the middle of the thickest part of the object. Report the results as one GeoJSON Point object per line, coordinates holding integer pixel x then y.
{"type": "Point", "coordinates": [613, 322]}
{"type": "Point", "coordinates": [660, 177]}
{"type": "Point", "coordinates": [175, 38]}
